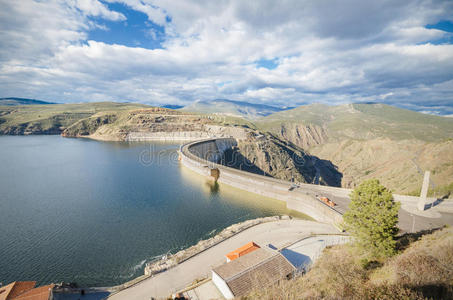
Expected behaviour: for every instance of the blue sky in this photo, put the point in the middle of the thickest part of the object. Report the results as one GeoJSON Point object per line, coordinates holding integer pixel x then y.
{"type": "Point", "coordinates": [284, 53]}
{"type": "Point", "coordinates": [135, 31]}
{"type": "Point", "coordinates": [445, 26]}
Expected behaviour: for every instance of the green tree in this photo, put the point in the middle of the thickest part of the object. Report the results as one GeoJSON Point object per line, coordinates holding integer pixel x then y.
{"type": "Point", "coordinates": [372, 218]}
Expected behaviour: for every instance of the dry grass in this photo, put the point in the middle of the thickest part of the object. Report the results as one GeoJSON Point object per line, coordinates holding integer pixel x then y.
{"type": "Point", "coordinates": [422, 270]}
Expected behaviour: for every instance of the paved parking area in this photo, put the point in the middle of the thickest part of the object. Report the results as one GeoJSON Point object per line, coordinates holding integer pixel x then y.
{"type": "Point", "coordinates": [206, 291]}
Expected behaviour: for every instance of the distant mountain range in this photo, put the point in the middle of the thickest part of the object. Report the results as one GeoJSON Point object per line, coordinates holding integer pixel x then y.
{"type": "Point", "coordinates": [22, 101]}
{"type": "Point", "coordinates": [242, 109]}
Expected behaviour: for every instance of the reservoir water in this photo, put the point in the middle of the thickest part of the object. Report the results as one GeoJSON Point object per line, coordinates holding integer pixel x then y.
{"type": "Point", "coordinates": [94, 213]}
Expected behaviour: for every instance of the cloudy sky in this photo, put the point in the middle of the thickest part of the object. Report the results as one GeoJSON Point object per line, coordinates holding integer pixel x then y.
{"type": "Point", "coordinates": [274, 52]}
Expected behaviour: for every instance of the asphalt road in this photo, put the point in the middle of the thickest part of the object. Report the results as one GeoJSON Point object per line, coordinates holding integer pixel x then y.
{"type": "Point", "coordinates": [279, 234]}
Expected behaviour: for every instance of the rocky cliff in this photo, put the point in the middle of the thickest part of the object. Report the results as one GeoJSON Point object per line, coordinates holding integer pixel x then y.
{"type": "Point", "coordinates": [399, 165]}
{"type": "Point", "coordinates": [304, 136]}
{"type": "Point", "coordinates": [268, 155]}
{"type": "Point", "coordinates": [53, 118]}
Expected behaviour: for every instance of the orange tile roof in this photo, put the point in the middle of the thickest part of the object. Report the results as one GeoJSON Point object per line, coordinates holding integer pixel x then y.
{"type": "Point", "coordinates": [39, 293]}
{"type": "Point", "coordinates": [16, 288]}
{"type": "Point", "coordinates": [247, 248]}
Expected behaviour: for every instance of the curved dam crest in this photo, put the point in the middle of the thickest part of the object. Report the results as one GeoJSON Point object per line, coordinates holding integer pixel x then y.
{"type": "Point", "coordinates": [203, 157]}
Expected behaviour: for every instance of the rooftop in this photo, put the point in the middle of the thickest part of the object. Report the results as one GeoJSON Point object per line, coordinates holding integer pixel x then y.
{"type": "Point", "coordinates": [247, 248]}
{"type": "Point", "coordinates": [39, 293]}
{"type": "Point", "coordinates": [25, 290]}
{"type": "Point", "coordinates": [15, 288]}
{"type": "Point", "coordinates": [257, 269]}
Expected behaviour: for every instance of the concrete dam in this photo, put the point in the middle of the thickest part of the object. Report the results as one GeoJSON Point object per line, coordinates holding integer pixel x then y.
{"type": "Point", "coordinates": [203, 157]}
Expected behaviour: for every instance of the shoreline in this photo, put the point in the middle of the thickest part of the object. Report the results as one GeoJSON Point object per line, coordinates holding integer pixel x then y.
{"type": "Point", "coordinates": [162, 265]}
{"type": "Point", "coordinates": [159, 266]}
{"type": "Point", "coordinates": [279, 234]}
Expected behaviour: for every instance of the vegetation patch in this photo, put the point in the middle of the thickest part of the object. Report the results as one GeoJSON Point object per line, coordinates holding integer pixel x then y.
{"type": "Point", "coordinates": [421, 270]}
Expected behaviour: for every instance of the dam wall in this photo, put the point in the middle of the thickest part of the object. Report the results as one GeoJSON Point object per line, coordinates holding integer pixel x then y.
{"type": "Point", "coordinates": [207, 132]}
{"type": "Point", "coordinates": [212, 149]}
{"type": "Point", "coordinates": [202, 157]}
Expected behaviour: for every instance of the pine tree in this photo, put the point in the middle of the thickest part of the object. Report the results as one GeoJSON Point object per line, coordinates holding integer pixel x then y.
{"type": "Point", "coordinates": [372, 219]}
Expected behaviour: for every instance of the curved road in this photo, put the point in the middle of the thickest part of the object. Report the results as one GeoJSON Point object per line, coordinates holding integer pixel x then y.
{"type": "Point", "coordinates": [280, 234]}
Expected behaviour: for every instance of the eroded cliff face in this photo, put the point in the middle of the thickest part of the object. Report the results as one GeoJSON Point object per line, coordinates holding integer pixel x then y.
{"type": "Point", "coordinates": [398, 164]}
{"type": "Point", "coordinates": [268, 155]}
{"type": "Point", "coordinates": [117, 125]}
{"type": "Point", "coordinates": [151, 124]}
{"type": "Point", "coordinates": [304, 136]}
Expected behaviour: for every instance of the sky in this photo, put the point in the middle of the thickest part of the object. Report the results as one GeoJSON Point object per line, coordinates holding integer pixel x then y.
{"type": "Point", "coordinates": [281, 53]}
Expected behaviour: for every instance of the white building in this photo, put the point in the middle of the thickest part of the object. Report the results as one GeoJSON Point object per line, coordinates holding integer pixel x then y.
{"type": "Point", "coordinates": [256, 269]}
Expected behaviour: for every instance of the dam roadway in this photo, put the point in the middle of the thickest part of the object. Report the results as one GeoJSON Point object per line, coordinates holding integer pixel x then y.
{"type": "Point", "coordinates": [201, 157]}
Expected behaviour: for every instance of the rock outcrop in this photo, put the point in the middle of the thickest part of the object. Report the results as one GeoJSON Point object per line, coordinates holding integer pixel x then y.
{"type": "Point", "coordinates": [304, 136]}
{"type": "Point", "coordinates": [268, 155]}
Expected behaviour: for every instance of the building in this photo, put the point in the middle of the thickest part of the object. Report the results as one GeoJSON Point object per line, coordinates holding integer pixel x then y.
{"type": "Point", "coordinates": [256, 269]}
{"type": "Point", "coordinates": [241, 251]}
{"type": "Point", "coordinates": [25, 290]}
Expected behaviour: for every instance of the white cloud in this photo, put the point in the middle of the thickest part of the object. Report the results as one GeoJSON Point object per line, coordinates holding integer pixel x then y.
{"type": "Point", "coordinates": [326, 52]}
{"type": "Point", "coordinates": [97, 9]}
{"type": "Point", "coordinates": [154, 13]}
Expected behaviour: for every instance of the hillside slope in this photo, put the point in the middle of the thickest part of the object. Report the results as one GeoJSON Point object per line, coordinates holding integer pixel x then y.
{"type": "Point", "coordinates": [371, 141]}
{"type": "Point", "coordinates": [226, 107]}
{"type": "Point", "coordinates": [52, 119]}
{"type": "Point", "coordinates": [421, 271]}
{"type": "Point", "coordinates": [115, 125]}
{"type": "Point", "coordinates": [362, 121]}
{"type": "Point", "coordinates": [268, 155]}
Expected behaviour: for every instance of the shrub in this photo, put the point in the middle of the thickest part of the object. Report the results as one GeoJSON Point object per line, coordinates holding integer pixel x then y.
{"type": "Point", "coordinates": [372, 218]}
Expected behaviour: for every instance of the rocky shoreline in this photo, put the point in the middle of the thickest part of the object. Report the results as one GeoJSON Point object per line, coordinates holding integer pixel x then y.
{"type": "Point", "coordinates": [172, 260]}
{"type": "Point", "coordinates": [177, 258]}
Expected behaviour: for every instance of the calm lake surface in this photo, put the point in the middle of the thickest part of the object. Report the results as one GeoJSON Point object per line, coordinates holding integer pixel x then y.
{"type": "Point", "coordinates": [90, 212]}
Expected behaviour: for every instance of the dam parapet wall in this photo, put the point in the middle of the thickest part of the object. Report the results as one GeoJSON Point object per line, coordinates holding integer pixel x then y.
{"type": "Point", "coordinates": [202, 157]}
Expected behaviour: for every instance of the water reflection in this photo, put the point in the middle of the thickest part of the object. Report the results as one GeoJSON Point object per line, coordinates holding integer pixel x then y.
{"type": "Point", "coordinates": [238, 197]}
